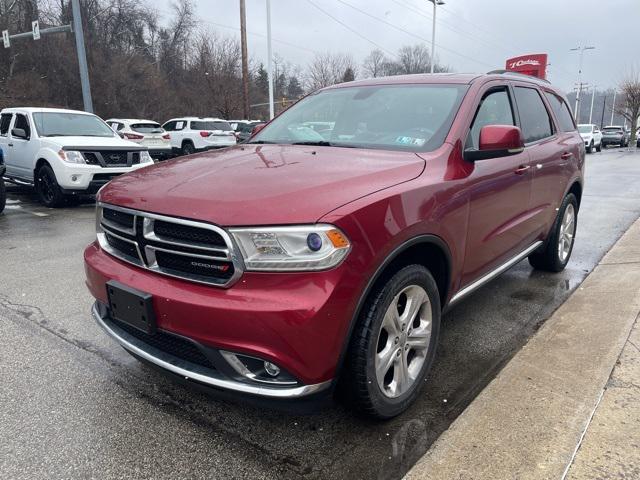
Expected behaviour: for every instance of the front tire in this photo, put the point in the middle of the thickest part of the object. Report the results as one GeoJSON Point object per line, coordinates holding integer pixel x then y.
{"type": "Point", "coordinates": [599, 147]}
{"type": "Point", "coordinates": [394, 343]}
{"type": "Point", "coordinates": [590, 147]}
{"type": "Point", "coordinates": [47, 187]}
{"type": "Point", "coordinates": [554, 255]}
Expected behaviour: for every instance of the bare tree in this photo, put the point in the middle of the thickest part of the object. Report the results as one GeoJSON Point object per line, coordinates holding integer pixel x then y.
{"type": "Point", "coordinates": [328, 69]}
{"type": "Point", "coordinates": [375, 64]}
{"type": "Point", "coordinates": [630, 107]}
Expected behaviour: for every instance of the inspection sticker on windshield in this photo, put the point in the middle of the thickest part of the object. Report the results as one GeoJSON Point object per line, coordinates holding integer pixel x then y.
{"type": "Point", "coordinates": [418, 142]}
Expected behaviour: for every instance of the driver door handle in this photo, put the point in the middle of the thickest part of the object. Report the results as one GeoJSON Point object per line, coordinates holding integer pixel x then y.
{"type": "Point", "coordinates": [522, 169]}
{"type": "Point", "coordinates": [566, 155]}
{"type": "Point", "coordinates": [10, 145]}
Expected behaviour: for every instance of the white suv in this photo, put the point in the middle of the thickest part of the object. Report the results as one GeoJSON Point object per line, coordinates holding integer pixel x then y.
{"type": "Point", "coordinates": [194, 134]}
{"type": "Point", "coordinates": [64, 153]}
{"type": "Point", "coordinates": [144, 132]}
{"type": "Point", "coordinates": [591, 135]}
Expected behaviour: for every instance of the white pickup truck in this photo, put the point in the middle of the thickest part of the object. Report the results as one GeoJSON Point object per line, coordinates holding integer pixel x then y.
{"type": "Point", "coordinates": [64, 153]}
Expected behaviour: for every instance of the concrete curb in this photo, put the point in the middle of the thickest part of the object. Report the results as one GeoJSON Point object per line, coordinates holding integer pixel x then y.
{"type": "Point", "coordinates": [529, 421]}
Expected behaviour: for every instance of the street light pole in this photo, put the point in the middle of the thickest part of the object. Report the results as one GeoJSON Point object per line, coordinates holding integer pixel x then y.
{"type": "Point", "coordinates": [433, 33]}
{"type": "Point", "coordinates": [245, 60]}
{"type": "Point", "coordinates": [270, 61]}
{"type": "Point", "coordinates": [580, 49]}
{"type": "Point", "coordinates": [82, 56]}
{"type": "Point", "coordinates": [613, 106]}
{"type": "Point", "coordinates": [593, 94]}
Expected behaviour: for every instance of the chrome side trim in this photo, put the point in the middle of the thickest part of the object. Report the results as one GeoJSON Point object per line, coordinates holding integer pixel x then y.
{"type": "Point", "coordinates": [493, 274]}
{"type": "Point", "coordinates": [183, 369]}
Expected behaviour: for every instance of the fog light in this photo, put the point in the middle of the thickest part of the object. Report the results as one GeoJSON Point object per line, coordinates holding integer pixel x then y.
{"type": "Point", "coordinates": [271, 369]}
{"type": "Point", "coordinates": [74, 178]}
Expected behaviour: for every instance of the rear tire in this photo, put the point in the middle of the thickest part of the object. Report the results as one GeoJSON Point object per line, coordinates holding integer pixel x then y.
{"type": "Point", "coordinates": [393, 344]}
{"type": "Point", "coordinates": [3, 195]}
{"type": "Point", "coordinates": [555, 253]}
{"type": "Point", "coordinates": [47, 187]}
{"type": "Point", "coordinates": [188, 148]}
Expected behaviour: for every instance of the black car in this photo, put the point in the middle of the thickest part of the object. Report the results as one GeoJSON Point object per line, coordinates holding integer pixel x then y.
{"type": "Point", "coordinates": [615, 135]}
{"type": "Point", "coordinates": [244, 130]}
{"type": "Point", "coordinates": [3, 191]}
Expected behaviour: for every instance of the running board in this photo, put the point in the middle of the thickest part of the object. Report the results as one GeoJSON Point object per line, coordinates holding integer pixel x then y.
{"type": "Point", "coordinates": [17, 181]}
{"type": "Point", "coordinates": [493, 274]}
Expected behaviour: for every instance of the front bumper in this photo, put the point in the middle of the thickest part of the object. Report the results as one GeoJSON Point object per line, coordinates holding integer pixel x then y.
{"type": "Point", "coordinates": [206, 376]}
{"type": "Point", "coordinates": [89, 178]}
{"type": "Point", "coordinates": [299, 321]}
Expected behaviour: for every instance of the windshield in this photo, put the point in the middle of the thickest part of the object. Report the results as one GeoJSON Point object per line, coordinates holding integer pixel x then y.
{"type": "Point", "coordinates": [584, 128]}
{"type": "Point", "coordinates": [395, 117]}
{"type": "Point", "coordinates": [62, 124]}
{"type": "Point", "coordinates": [147, 127]}
{"type": "Point", "coordinates": [224, 126]}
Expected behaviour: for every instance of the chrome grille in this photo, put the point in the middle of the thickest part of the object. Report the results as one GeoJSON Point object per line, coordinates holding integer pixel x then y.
{"type": "Point", "coordinates": [195, 251]}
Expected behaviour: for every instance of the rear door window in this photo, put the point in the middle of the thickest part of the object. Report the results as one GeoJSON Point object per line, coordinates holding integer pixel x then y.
{"type": "Point", "coordinates": [5, 122]}
{"type": "Point", "coordinates": [561, 111]}
{"type": "Point", "coordinates": [495, 109]}
{"type": "Point", "coordinates": [534, 118]}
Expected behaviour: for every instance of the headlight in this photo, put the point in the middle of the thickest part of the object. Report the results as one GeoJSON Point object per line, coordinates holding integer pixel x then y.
{"type": "Point", "coordinates": [71, 156]}
{"type": "Point", "coordinates": [145, 157]}
{"type": "Point", "coordinates": [299, 248]}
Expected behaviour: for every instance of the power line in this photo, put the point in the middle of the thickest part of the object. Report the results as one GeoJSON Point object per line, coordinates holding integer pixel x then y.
{"type": "Point", "coordinates": [413, 34]}
{"type": "Point", "coordinates": [355, 32]}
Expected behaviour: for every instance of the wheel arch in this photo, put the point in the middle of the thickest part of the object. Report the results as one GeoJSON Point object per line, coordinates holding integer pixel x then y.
{"type": "Point", "coordinates": [428, 250]}
{"type": "Point", "coordinates": [576, 189]}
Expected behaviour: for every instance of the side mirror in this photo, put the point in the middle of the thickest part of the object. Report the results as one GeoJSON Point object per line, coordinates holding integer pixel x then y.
{"type": "Point", "coordinates": [256, 129]}
{"type": "Point", "coordinates": [497, 141]}
{"type": "Point", "coordinates": [19, 133]}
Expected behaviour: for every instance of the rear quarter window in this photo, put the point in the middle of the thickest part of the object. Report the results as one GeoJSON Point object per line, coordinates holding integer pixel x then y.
{"type": "Point", "coordinates": [561, 111]}
{"type": "Point", "coordinates": [5, 121]}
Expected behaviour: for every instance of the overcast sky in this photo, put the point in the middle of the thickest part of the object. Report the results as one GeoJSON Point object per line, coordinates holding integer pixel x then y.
{"type": "Point", "coordinates": [471, 35]}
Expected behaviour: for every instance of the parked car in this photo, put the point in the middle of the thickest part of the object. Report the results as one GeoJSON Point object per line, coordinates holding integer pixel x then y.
{"type": "Point", "coordinates": [245, 130]}
{"type": "Point", "coordinates": [194, 134]}
{"type": "Point", "coordinates": [234, 123]}
{"type": "Point", "coordinates": [3, 191]}
{"type": "Point", "coordinates": [144, 132]}
{"type": "Point", "coordinates": [299, 263]}
{"type": "Point", "coordinates": [592, 137]}
{"type": "Point", "coordinates": [64, 153]}
{"type": "Point", "coordinates": [615, 135]}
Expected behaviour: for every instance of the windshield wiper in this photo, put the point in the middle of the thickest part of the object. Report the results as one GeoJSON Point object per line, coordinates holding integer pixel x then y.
{"type": "Point", "coordinates": [261, 142]}
{"type": "Point", "coordinates": [323, 143]}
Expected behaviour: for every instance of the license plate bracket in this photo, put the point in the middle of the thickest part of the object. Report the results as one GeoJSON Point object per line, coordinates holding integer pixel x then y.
{"type": "Point", "coordinates": [131, 306]}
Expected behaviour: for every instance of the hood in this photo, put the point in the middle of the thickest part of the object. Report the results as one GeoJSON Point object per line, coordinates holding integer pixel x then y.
{"type": "Point", "coordinates": [586, 135]}
{"type": "Point", "coordinates": [84, 142]}
{"type": "Point", "coordinates": [261, 185]}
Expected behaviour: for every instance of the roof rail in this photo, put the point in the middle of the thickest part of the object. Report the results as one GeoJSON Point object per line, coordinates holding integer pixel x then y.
{"type": "Point", "coordinates": [517, 74]}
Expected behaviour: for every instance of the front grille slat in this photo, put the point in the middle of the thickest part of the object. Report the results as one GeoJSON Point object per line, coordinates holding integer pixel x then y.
{"type": "Point", "coordinates": [111, 158]}
{"type": "Point", "coordinates": [171, 246]}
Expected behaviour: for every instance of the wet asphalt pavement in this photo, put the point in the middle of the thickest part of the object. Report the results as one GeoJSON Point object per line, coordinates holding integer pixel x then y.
{"type": "Point", "coordinates": [75, 405]}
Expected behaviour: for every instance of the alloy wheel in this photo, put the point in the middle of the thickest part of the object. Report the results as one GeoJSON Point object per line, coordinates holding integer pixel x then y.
{"type": "Point", "coordinates": [567, 233]}
{"type": "Point", "coordinates": [403, 341]}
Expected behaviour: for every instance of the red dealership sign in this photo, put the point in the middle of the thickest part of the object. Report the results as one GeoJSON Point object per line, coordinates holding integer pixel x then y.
{"type": "Point", "coordinates": [534, 65]}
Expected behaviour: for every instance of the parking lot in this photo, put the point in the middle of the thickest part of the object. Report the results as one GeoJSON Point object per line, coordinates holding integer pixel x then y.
{"type": "Point", "coordinates": [77, 405]}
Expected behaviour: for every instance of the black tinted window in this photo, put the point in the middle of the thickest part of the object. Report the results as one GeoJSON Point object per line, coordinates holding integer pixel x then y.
{"type": "Point", "coordinates": [204, 125]}
{"type": "Point", "coordinates": [146, 127]}
{"type": "Point", "coordinates": [169, 126]}
{"type": "Point", "coordinates": [561, 111]}
{"type": "Point", "coordinates": [5, 121]}
{"type": "Point", "coordinates": [23, 123]}
{"type": "Point", "coordinates": [495, 109]}
{"type": "Point", "coordinates": [535, 120]}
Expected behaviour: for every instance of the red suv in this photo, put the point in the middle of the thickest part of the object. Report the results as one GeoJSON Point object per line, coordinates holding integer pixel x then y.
{"type": "Point", "coordinates": [323, 252]}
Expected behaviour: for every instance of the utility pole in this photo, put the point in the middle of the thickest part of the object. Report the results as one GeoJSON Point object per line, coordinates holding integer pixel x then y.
{"type": "Point", "coordinates": [613, 106]}
{"type": "Point", "coordinates": [270, 62]}
{"type": "Point", "coordinates": [82, 56]}
{"type": "Point", "coordinates": [580, 49]}
{"type": "Point", "coordinates": [245, 60]}
{"type": "Point", "coordinates": [433, 33]}
{"type": "Point", "coordinates": [579, 87]}
{"type": "Point", "coordinates": [593, 94]}
{"type": "Point", "coordinates": [604, 106]}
